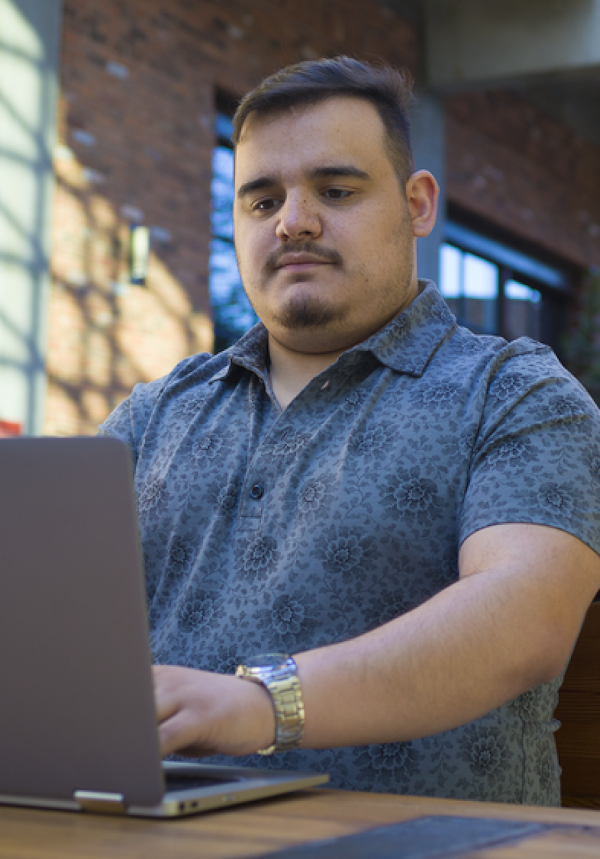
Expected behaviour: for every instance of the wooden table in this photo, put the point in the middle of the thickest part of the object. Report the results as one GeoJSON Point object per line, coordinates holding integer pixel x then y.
{"type": "Point", "coordinates": [272, 825]}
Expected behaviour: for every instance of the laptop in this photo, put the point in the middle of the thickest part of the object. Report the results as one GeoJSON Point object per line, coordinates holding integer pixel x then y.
{"type": "Point", "coordinates": [77, 721]}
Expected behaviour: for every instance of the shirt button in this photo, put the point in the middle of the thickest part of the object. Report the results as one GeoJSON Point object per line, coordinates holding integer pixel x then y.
{"type": "Point", "coordinates": [257, 492]}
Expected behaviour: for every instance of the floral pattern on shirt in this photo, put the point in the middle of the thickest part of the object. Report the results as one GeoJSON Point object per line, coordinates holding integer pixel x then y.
{"type": "Point", "coordinates": [370, 481]}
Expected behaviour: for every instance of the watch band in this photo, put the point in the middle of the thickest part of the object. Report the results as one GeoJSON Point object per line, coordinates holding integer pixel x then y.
{"type": "Point", "coordinates": [280, 679]}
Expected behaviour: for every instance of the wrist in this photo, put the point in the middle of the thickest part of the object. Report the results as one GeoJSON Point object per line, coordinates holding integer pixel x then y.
{"type": "Point", "coordinates": [258, 715]}
{"type": "Point", "coordinates": [277, 674]}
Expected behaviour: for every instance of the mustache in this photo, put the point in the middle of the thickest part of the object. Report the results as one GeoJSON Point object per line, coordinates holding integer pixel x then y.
{"type": "Point", "coordinates": [277, 257]}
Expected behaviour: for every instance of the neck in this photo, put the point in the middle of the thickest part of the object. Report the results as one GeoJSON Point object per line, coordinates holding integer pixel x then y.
{"type": "Point", "coordinates": [292, 371]}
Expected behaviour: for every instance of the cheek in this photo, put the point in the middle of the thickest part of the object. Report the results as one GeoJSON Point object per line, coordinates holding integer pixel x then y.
{"type": "Point", "coordinates": [245, 251]}
{"type": "Point", "coordinates": [249, 245]}
{"type": "Point", "coordinates": [372, 229]}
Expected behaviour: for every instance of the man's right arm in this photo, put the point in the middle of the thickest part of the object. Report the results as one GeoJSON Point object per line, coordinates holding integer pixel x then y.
{"type": "Point", "coordinates": [508, 625]}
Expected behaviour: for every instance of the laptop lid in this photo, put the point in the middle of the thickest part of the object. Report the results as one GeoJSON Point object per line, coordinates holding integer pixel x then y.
{"type": "Point", "coordinates": [77, 721]}
{"type": "Point", "coordinates": [77, 705]}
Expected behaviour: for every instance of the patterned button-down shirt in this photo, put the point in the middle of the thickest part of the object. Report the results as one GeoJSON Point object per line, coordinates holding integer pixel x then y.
{"type": "Point", "coordinates": [270, 530]}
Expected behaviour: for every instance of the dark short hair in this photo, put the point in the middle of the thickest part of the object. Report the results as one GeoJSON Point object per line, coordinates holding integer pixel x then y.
{"type": "Point", "coordinates": [313, 81]}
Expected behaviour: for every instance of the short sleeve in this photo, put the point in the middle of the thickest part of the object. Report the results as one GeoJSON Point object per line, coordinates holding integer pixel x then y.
{"type": "Point", "coordinates": [129, 420]}
{"type": "Point", "coordinates": [537, 454]}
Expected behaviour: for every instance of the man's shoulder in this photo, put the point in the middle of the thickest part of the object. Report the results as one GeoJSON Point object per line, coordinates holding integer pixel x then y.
{"type": "Point", "coordinates": [522, 376]}
{"type": "Point", "coordinates": [527, 363]}
{"type": "Point", "coordinates": [195, 370]}
{"type": "Point", "coordinates": [495, 356]}
{"type": "Point", "coordinates": [192, 373]}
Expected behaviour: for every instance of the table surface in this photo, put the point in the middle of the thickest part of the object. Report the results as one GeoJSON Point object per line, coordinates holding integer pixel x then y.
{"type": "Point", "coordinates": [270, 825]}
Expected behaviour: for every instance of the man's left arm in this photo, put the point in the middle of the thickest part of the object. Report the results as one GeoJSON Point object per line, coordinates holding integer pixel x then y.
{"type": "Point", "coordinates": [507, 625]}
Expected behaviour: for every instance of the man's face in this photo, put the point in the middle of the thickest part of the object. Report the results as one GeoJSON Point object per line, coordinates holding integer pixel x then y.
{"type": "Point", "coordinates": [323, 230]}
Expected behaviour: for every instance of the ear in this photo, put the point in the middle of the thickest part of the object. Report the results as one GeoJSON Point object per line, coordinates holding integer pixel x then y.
{"type": "Point", "coordinates": [422, 193]}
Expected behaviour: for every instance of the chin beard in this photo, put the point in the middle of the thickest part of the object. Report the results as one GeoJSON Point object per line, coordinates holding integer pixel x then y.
{"type": "Point", "coordinates": [306, 314]}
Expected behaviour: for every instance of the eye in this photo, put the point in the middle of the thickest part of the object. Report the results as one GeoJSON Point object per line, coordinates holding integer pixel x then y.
{"type": "Point", "coordinates": [337, 193]}
{"type": "Point", "coordinates": [264, 205]}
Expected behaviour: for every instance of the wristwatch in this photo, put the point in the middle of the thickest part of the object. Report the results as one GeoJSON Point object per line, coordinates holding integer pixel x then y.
{"type": "Point", "coordinates": [278, 673]}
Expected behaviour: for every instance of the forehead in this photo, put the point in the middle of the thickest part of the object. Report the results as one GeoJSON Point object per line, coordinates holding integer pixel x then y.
{"type": "Point", "coordinates": [336, 129]}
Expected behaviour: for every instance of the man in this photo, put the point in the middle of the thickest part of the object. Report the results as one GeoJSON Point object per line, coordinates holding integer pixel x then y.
{"type": "Point", "coordinates": [410, 510]}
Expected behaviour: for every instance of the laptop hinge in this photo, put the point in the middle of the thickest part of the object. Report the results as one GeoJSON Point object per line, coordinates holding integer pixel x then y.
{"type": "Point", "coordinates": [99, 802]}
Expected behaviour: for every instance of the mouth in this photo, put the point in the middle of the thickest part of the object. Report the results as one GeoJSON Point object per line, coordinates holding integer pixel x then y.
{"type": "Point", "coordinates": [297, 262]}
{"type": "Point", "coordinates": [301, 258]}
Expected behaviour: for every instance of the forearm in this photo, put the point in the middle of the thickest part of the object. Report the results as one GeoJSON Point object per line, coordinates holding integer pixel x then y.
{"type": "Point", "coordinates": [471, 648]}
{"type": "Point", "coordinates": [508, 625]}
{"type": "Point", "coordinates": [454, 658]}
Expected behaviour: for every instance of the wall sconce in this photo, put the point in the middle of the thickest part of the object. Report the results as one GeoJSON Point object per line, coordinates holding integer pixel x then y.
{"type": "Point", "coordinates": [139, 254]}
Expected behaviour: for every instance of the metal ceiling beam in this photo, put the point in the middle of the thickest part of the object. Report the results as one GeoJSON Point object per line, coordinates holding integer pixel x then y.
{"type": "Point", "coordinates": [472, 43]}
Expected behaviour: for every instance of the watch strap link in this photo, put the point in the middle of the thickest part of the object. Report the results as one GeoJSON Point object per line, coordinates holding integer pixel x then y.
{"type": "Point", "coordinates": [283, 685]}
{"type": "Point", "coordinates": [284, 688]}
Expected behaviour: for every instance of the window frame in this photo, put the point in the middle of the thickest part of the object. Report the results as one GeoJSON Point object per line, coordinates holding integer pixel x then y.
{"type": "Point", "coordinates": [518, 261]}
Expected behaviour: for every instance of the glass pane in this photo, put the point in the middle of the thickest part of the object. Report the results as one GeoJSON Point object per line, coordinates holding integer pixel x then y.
{"type": "Point", "coordinates": [224, 126]}
{"type": "Point", "coordinates": [221, 217]}
{"type": "Point", "coordinates": [480, 289]}
{"type": "Point", "coordinates": [481, 278]}
{"type": "Point", "coordinates": [450, 271]}
{"type": "Point", "coordinates": [522, 311]}
{"type": "Point", "coordinates": [232, 312]}
{"type": "Point", "coordinates": [451, 277]}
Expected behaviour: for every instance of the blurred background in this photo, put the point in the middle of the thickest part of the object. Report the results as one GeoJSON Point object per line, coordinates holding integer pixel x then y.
{"type": "Point", "coordinates": [116, 252]}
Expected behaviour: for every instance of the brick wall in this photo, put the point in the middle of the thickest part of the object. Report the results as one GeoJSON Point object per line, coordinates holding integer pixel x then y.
{"type": "Point", "coordinates": [520, 169]}
{"type": "Point", "coordinates": [136, 118]}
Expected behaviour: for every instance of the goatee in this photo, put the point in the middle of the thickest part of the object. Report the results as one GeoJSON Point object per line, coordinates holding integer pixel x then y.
{"type": "Point", "coordinates": [305, 313]}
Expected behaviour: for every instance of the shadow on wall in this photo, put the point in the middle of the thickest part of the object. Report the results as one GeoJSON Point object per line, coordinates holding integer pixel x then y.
{"type": "Point", "coordinates": [107, 334]}
{"type": "Point", "coordinates": [28, 56]}
{"type": "Point", "coordinates": [75, 336]}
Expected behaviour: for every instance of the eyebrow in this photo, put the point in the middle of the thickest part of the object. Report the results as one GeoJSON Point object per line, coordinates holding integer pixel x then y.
{"type": "Point", "coordinates": [260, 184]}
{"type": "Point", "coordinates": [335, 170]}
{"type": "Point", "coordinates": [325, 172]}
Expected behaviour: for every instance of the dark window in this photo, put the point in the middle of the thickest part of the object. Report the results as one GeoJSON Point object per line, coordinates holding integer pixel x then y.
{"type": "Point", "coordinates": [232, 312]}
{"type": "Point", "coordinates": [493, 288]}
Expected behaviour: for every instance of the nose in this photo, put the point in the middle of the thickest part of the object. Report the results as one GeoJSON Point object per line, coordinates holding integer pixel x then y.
{"type": "Point", "coordinates": [298, 218]}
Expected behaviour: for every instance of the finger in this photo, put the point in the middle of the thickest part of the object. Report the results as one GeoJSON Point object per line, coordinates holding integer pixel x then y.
{"type": "Point", "coordinates": [166, 693]}
{"type": "Point", "coordinates": [179, 733]}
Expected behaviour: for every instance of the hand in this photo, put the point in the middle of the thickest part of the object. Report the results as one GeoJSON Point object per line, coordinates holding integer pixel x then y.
{"type": "Point", "coordinates": [200, 713]}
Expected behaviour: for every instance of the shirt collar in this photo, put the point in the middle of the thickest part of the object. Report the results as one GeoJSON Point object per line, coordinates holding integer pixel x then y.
{"type": "Point", "coordinates": [405, 344]}
{"type": "Point", "coordinates": [251, 352]}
